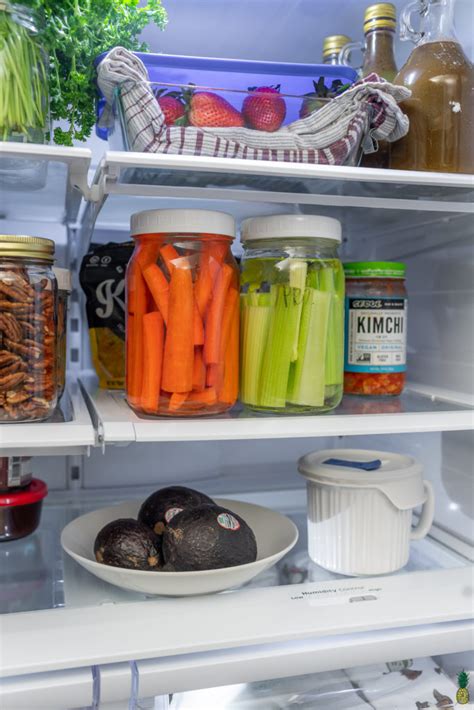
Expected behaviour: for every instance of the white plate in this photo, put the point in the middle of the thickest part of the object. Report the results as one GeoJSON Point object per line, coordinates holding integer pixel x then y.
{"type": "Point", "coordinates": [275, 534]}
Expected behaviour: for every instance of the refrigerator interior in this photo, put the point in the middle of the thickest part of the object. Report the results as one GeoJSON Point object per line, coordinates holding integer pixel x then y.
{"type": "Point", "coordinates": [70, 638]}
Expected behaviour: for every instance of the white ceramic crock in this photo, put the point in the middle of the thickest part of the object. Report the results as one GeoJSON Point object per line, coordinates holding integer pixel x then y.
{"type": "Point", "coordinates": [359, 520]}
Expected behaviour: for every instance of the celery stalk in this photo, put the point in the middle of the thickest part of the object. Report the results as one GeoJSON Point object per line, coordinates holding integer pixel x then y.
{"type": "Point", "coordinates": [255, 322]}
{"type": "Point", "coordinates": [278, 348]}
{"type": "Point", "coordinates": [335, 345]}
{"type": "Point", "coordinates": [298, 271]}
{"type": "Point", "coordinates": [308, 378]}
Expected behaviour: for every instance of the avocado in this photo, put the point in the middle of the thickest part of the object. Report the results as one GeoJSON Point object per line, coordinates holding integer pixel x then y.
{"type": "Point", "coordinates": [207, 537]}
{"type": "Point", "coordinates": [159, 508]}
{"type": "Point", "coordinates": [129, 544]}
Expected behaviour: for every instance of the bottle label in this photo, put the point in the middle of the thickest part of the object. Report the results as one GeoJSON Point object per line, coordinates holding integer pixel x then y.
{"type": "Point", "coordinates": [375, 334]}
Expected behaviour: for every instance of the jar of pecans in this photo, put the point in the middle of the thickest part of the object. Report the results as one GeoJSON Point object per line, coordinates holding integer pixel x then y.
{"type": "Point", "coordinates": [28, 328]}
{"type": "Point", "coordinates": [375, 324]}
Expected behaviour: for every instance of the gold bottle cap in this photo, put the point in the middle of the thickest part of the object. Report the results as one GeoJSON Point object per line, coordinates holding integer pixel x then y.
{"type": "Point", "coordinates": [18, 245]}
{"type": "Point", "coordinates": [334, 43]}
{"type": "Point", "coordinates": [382, 15]}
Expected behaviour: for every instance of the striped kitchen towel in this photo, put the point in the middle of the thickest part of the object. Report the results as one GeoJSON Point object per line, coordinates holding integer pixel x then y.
{"type": "Point", "coordinates": [365, 113]}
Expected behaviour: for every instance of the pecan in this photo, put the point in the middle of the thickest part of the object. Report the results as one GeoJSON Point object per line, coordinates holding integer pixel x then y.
{"type": "Point", "coordinates": [29, 351]}
{"type": "Point", "coordinates": [15, 397]}
{"type": "Point", "coordinates": [10, 326]}
{"type": "Point", "coordinates": [28, 328]}
{"type": "Point", "coordinates": [9, 382]}
{"type": "Point", "coordinates": [7, 358]}
{"type": "Point", "coordinates": [15, 293]}
{"type": "Point", "coordinates": [14, 307]}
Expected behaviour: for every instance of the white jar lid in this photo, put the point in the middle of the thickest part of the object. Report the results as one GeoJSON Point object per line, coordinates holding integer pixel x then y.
{"type": "Point", "coordinates": [398, 476]}
{"type": "Point", "coordinates": [63, 277]}
{"type": "Point", "coordinates": [291, 225]}
{"type": "Point", "coordinates": [182, 222]}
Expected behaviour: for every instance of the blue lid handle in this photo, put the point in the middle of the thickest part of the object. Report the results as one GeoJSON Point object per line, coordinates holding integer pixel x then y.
{"type": "Point", "coordinates": [364, 465]}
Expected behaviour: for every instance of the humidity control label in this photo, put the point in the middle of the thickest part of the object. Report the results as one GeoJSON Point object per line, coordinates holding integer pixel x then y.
{"type": "Point", "coordinates": [375, 334]}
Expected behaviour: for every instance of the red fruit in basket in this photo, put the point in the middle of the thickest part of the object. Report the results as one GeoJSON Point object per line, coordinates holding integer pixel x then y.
{"type": "Point", "coordinates": [264, 109]}
{"type": "Point", "coordinates": [208, 110]}
{"type": "Point", "coordinates": [171, 105]}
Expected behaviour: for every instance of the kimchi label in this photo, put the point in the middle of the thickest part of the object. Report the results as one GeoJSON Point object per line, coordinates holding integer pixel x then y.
{"type": "Point", "coordinates": [375, 334]}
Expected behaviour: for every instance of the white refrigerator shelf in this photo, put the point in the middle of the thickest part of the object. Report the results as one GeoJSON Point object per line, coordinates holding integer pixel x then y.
{"type": "Point", "coordinates": [65, 176]}
{"type": "Point", "coordinates": [419, 409]}
{"type": "Point", "coordinates": [68, 431]}
{"type": "Point", "coordinates": [171, 176]}
{"type": "Point", "coordinates": [58, 620]}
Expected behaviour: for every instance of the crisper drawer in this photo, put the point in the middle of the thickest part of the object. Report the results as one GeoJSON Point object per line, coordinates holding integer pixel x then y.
{"type": "Point", "coordinates": [293, 619]}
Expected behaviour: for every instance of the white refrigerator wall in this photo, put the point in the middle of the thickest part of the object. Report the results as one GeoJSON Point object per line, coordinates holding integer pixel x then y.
{"type": "Point", "coordinates": [274, 30]}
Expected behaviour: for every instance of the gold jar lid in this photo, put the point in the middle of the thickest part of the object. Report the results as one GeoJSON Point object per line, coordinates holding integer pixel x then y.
{"type": "Point", "coordinates": [382, 15]}
{"type": "Point", "coordinates": [334, 43]}
{"type": "Point", "coordinates": [23, 247]}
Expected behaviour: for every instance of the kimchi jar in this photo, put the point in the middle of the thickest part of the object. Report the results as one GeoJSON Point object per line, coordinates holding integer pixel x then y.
{"type": "Point", "coordinates": [182, 329]}
{"type": "Point", "coordinates": [376, 322]}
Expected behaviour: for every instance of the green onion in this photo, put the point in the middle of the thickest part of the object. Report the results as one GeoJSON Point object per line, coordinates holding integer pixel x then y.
{"type": "Point", "coordinates": [23, 81]}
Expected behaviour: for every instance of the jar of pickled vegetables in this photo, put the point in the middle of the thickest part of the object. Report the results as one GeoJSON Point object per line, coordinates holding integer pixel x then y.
{"type": "Point", "coordinates": [376, 323]}
{"type": "Point", "coordinates": [182, 328]}
{"type": "Point", "coordinates": [292, 314]}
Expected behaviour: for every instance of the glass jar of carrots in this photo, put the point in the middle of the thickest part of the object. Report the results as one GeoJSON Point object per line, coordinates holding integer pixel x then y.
{"type": "Point", "coordinates": [182, 331]}
{"type": "Point", "coordinates": [376, 321]}
{"type": "Point", "coordinates": [292, 314]}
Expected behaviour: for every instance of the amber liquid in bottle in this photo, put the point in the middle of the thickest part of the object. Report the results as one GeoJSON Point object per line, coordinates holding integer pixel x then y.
{"type": "Point", "coordinates": [379, 58]}
{"type": "Point", "coordinates": [441, 110]}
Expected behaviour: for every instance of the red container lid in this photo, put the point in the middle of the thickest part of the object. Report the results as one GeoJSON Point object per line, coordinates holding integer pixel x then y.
{"type": "Point", "coordinates": [34, 492]}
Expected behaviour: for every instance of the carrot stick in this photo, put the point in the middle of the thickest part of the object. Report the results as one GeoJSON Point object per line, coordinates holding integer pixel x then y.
{"type": "Point", "coordinates": [199, 371]}
{"type": "Point", "coordinates": [198, 327]}
{"type": "Point", "coordinates": [230, 389]}
{"type": "Point", "coordinates": [177, 400]}
{"type": "Point", "coordinates": [206, 397]}
{"type": "Point", "coordinates": [215, 373]}
{"type": "Point", "coordinates": [203, 285]}
{"type": "Point", "coordinates": [153, 339]}
{"type": "Point", "coordinates": [215, 315]}
{"type": "Point", "coordinates": [158, 285]}
{"type": "Point", "coordinates": [179, 346]}
{"type": "Point", "coordinates": [218, 250]}
{"type": "Point", "coordinates": [146, 253]}
{"type": "Point", "coordinates": [169, 254]}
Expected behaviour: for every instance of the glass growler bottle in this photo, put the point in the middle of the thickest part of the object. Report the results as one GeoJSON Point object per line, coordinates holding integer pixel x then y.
{"type": "Point", "coordinates": [441, 107]}
{"type": "Point", "coordinates": [332, 45]}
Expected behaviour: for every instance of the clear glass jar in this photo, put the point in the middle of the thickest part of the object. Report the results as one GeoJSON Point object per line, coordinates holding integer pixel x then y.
{"type": "Point", "coordinates": [182, 330]}
{"type": "Point", "coordinates": [28, 328]}
{"type": "Point", "coordinates": [441, 107]}
{"type": "Point", "coordinates": [376, 322]}
{"type": "Point", "coordinates": [63, 278]}
{"type": "Point", "coordinates": [24, 96]}
{"type": "Point", "coordinates": [292, 300]}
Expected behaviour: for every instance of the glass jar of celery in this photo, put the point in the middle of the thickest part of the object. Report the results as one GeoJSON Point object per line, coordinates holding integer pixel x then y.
{"type": "Point", "coordinates": [24, 97]}
{"type": "Point", "coordinates": [292, 314]}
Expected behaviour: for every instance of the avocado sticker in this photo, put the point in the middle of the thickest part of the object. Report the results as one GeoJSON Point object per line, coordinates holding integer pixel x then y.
{"type": "Point", "coordinates": [228, 522]}
{"type": "Point", "coordinates": [462, 696]}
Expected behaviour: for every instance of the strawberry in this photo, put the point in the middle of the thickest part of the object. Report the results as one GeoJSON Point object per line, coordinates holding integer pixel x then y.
{"type": "Point", "coordinates": [264, 109]}
{"type": "Point", "coordinates": [171, 105]}
{"type": "Point", "coordinates": [206, 109]}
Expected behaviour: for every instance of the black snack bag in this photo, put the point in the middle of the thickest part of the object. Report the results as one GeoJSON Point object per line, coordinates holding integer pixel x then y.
{"type": "Point", "coordinates": [102, 277]}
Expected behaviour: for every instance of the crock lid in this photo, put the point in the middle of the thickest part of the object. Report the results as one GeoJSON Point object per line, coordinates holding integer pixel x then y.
{"type": "Point", "coordinates": [291, 225]}
{"type": "Point", "coordinates": [398, 476]}
{"type": "Point", "coordinates": [374, 269]}
{"type": "Point", "coordinates": [63, 277]}
{"type": "Point", "coordinates": [183, 222]}
{"type": "Point", "coordinates": [34, 492]}
{"type": "Point", "coordinates": [19, 245]}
